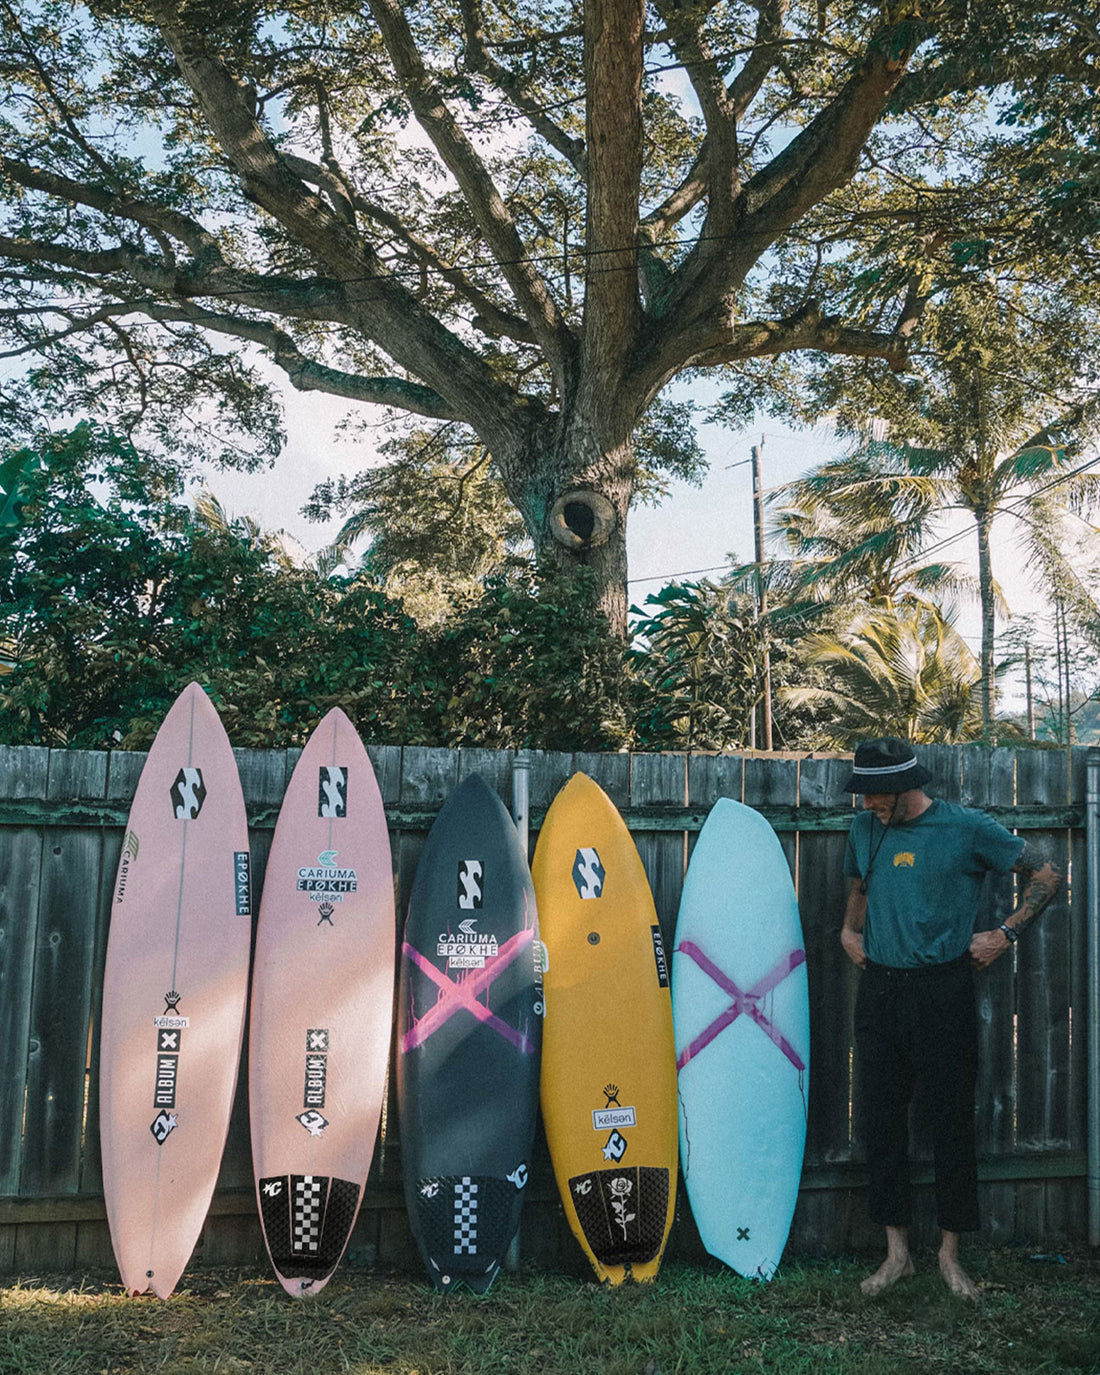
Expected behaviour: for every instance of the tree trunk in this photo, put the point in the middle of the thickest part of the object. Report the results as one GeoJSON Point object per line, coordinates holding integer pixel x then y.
{"type": "Point", "coordinates": [573, 490]}
{"type": "Point", "coordinates": [988, 604]}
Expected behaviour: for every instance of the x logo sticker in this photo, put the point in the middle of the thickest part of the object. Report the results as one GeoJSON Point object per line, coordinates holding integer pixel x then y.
{"type": "Point", "coordinates": [746, 1002]}
{"type": "Point", "coordinates": [455, 995]}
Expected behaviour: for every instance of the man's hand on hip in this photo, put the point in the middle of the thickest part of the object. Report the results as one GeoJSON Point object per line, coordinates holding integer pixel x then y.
{"type": "Point", "coordinates": [852, 941]}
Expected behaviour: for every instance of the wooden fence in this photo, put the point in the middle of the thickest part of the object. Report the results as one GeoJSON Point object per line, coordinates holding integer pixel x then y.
{"type": "Point", "coordinates": [61, 824]}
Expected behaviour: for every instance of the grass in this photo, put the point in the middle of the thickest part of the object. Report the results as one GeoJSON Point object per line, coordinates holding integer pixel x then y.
{"type": "Point", "coordinates": [1033, 1316]}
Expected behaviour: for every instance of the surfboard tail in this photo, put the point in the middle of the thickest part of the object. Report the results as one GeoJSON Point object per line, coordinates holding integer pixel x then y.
{"type": "Point", "coordinates": [464, 1225]}
{"type": "Point", "coordinates": [307, 1220]}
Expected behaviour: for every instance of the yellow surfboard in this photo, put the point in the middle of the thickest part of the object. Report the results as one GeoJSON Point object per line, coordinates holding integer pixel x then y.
{"type": "Point", "coordinates": [608, 1055]}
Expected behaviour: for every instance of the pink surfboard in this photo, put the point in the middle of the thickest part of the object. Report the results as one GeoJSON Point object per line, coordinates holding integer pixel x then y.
{"type": "Point", "coordinates": [175, 990]}
{"type": "Point", "coordinates": [322, 1006]}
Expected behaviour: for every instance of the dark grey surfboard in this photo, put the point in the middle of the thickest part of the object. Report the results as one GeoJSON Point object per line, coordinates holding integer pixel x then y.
{"type": "Point", "coordinates": [469, 1038]}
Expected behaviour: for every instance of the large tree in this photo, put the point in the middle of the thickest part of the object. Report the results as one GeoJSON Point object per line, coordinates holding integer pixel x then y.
{"type": "Point", "coordinates": [499, 216]}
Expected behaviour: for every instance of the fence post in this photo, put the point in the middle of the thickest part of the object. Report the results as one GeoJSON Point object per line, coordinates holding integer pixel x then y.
{"type": "Point", "coordinates": [1092, 879]}
{"type": "Point", "coordinates": [521, 805]}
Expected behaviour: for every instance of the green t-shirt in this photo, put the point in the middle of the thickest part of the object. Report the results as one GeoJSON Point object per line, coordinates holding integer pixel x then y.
{"type": "Point", "coordinates": [925, 880]}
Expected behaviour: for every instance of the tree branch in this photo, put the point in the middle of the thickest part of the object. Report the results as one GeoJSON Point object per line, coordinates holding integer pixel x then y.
{"type": "Point", "coordinates": [264, 174]}
{"type": "Point", "coordinates": [688, 42]}
{"type": "Point", "coordinates": [472, 176]}
{"type": "Point", "coordinates": [825, 155]}
{"type": "Point", "coordinates": [386, 311]}
{"type": "Point", "coordinates": [74, 130]}
{"type": "Point", "coordinates": [819, 160]}
{"type": "Point", "coordinates": [741, 92]}
{"type": "Point", "coordinates": [479, 59]}
{"type": "Point", "coordinates": [975, 70]}
{"type": "Point", "coordinates": [146, 213]}
{"type": "Point", "coordinates": [493, 320]}
{"type": "Point", "coordinates": [304, 373]}
{"type": "Point", "coordinates": [807, 329]}
{"type": "Point", "coordinates": [302, 298]}
{"type": "Point", "coordinates": [613, 58]}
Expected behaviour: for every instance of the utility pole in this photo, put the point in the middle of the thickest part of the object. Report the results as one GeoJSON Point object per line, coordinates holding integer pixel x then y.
{"type": "Point", "coordinates": [761, 593]}
{"type": "Point", "coordinates": [1030, 694]}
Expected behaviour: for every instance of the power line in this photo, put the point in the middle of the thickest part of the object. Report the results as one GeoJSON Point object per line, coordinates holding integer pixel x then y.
{"type": "Point", "coordinates": [687, 573]}
{"type": "Point", "coordinates": [914, 560]}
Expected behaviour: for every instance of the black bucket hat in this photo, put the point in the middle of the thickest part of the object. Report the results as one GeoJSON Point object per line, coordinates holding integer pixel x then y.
{"type": "Point", "coordinates": [888, 765]}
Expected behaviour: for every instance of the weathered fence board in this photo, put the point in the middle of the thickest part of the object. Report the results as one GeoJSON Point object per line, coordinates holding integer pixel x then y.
{"type": "Point", "coordinates": [60, 1009]}
{"type": "Point", "coordinates": [61, 822]}
{"type": "Point", "coordinates": [822, 896]}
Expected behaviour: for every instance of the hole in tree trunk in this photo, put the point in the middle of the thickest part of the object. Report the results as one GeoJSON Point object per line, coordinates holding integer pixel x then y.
{"type": "Point", "coordinates": [580, 519]}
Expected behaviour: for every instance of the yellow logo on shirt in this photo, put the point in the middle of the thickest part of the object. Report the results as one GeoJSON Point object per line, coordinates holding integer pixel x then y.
{"type": "Point", "coordinates": [906, 858]}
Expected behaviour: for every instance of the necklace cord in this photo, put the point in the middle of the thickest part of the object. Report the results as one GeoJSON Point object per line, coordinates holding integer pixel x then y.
{"type": "Point", "coordinates": [872, 853]}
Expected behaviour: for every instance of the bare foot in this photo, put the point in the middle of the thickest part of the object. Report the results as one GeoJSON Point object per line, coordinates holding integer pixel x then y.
{"type": "Point", "coordinates": [892, 1269]}
{"type": "Point", "coordinates": [958, 1281]}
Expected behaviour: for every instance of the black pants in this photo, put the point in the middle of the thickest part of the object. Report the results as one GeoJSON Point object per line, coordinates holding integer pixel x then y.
{"type": "Point", "coordinates": [917, 1042]}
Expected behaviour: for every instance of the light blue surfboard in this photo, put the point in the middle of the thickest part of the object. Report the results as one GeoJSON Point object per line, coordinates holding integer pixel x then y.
{"type": "Point", "coordinates": [741, 1013]}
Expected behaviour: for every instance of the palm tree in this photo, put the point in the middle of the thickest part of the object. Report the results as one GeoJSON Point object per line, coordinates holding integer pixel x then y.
{"type": "Point", "coordinates": [856, 532]}
{"type": "Point", "coordinates": [980, 439]}
{"type": "Point", "coordinates": [891, 671]}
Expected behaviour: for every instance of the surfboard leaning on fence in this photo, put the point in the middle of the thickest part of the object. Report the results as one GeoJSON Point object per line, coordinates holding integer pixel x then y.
{"type": "Point", "coordinates": [609, 1069]}
{"type": "Point", "coordinates": [175, 989]}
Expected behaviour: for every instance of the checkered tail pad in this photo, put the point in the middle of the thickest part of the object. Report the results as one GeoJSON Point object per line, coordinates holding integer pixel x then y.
{"type": "Point", "coordinates": [465, 1222]}
{"type": "Point", "coordinates": [307, 1220]}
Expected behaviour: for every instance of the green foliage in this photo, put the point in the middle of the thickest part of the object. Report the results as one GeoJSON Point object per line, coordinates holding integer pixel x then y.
{"type": "Point", "coordinates": [993, 420]}
{"type": "Point", "coordinates": [531, 666]}
{"type": "Point", "coordinates": [699, 658]}
{"type": "Point", "coordinates": [119, 594]}
{"type": "Point", "coordinates": [15, 472]}
{"type": "Point", "coordinates": [437, 520]}
{"type": "Point", "coordinates": [857, 525]}
{"type": "Point", "coordinates": [666, 447]}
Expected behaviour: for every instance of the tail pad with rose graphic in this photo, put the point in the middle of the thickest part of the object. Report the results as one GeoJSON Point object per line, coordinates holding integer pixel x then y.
{"type": "Point", "coordinates": [622, 1212]}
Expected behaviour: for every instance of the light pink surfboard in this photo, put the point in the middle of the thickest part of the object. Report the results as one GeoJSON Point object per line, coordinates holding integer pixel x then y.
{"type": "Point", "coordinates": [175, 991]}
{"type": "Point", "coordinates": [322, 1006]}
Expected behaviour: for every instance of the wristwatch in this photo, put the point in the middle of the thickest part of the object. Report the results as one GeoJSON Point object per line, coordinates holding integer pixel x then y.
{"type": "Point", "coordinates": [1011, 934]}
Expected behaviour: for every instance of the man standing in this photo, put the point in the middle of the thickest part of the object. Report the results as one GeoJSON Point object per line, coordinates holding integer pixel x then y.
{"type": "Point", "coordinates": [916, 867]}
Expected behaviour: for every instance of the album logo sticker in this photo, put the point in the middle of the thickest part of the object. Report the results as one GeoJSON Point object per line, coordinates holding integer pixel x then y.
{"type": "Point", "coordinates": [165, 1093]}
{"type": "Point", "coordinates": [470, 895]}
{"type": "Point", "coordinates": [588, 873]}
{"type": "Point", "coordinates": [187, 794]}
{"type": "Point", "coordinates": [332, 791]}
{"type": "Point", "coordinates": [316, 1069]}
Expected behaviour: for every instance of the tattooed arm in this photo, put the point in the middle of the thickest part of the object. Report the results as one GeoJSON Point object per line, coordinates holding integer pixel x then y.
{"type": "Point", "coordinates": [1041, 881]}
{"type": "Point", "coordinates": [851, 935]}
